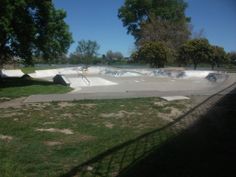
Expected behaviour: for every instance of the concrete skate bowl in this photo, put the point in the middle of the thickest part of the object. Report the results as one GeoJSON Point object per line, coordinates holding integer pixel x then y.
{"type": "Point", "coordinates": [120, 73]}
{"type": "Point", "coordinates": [164, 73]}
{"type": "Point", "coordinates": [153, 80]}
{"type": "Point", "coordinates": [149, 82]}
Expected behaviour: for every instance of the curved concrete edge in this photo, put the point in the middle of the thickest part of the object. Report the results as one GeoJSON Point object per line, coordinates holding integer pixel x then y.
{"type": "Point", "coordinates": [111, 95]}
{"type": "Point", "coordinates": [129, 94]}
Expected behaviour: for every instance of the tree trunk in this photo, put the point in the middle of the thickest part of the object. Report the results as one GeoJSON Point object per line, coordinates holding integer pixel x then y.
{"type": "Point", "coordinates": [1, 61]}
{"type": "Point", "coordinates": [1, 66]}
{"type": "Point", "coordinates": [212, 66]}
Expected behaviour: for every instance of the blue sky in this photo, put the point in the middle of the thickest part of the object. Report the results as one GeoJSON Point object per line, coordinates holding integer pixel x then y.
{"type": "Point", "coordinates": [97, 20]}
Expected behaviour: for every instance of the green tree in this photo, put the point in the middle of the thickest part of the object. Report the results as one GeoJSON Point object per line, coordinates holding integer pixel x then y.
{"type": "Point", "coordinates": [152, 20]}
{"type": "Point", "coordinates": [195, 51]}
{"type": "Point", "coordinates": [32, 28]}
{"type": "Point", "coordinates": [153, 53]}
{"type": "Point", "coordinates": [110, 55]}
{"type": "Point", "coordinates": [134, 57]}
{"type": "Point", "coordinates": [63, 59]}
{"type": "Point", "coordinates": [173, 34]}
{"type": "Point", "coordinates": [219, 56]}
{"type": "Point", "coordinates": [87, 50]}
{"type": "Point", "coordinates": [74, 59]}
{"type": "Point", "coordinates": [183, 56]}
{"type": "Point", "coordinates": [232, 57]}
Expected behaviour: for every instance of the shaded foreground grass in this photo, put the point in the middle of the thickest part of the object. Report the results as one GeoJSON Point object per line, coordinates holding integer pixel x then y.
{"type": "Point", "coordinates": [34, 139]}
{"type": "Point", "coordinates": [17, 87]}
{"type": "Point", "coordinates": [207, 148]}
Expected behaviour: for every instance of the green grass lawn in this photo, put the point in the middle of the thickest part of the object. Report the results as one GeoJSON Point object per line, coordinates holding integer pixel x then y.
{"type": "Point", "coordinates": [28, 70]}
{"type": "Point", "coordinates": [48, 139]}
{"type": "Point", "coordinates": [18, 87]}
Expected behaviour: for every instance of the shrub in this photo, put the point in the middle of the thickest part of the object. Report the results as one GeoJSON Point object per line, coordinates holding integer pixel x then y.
{"type": "Point", "coordinates": [195, 51]}
{"type": "Point", "coordinates": [153, 53]}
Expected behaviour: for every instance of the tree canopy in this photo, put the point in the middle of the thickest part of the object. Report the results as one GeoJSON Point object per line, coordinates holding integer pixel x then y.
{"type": "Point", "coordinates": [110, 55]}
{"type": "Point", "coordinates": [195, 51]}
{"type": "Point", "coordinates": [32, 28]}
{"type": "Point", "coordinates": [153, 53]}
{"type": "Point", "coordinates": [232, 57]}
{"type": "Point", "coordinates": [87, 48]}
{"type": "Point", "coordinates": [219, 56]}
{"type": "Point", "coordinates": [156, 20]}
{"type": "Point", "coordinates": [171, 33]}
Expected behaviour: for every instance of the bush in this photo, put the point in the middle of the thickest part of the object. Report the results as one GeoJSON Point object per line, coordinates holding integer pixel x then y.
{"type": "Point", "coordinates": [153, 53]}
{"type": "Point", "coordinates": [219, 57]}
{"type": "Point", "coordinates": [195, 51]}
{"type": "Point", "coordinates": [232, 57]}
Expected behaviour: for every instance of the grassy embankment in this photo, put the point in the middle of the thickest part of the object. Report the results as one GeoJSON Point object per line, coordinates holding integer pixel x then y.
{"type": "Point", "coordinates": [18, 87]}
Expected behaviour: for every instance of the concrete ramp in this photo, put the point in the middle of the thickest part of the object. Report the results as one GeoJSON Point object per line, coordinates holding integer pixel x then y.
{"type": "Point", "coordinates": [60, 79]}
{"type": "Point", "coordinates": [50, 73]}
{"type": "Point", "coordinates": [77, 82]}
{"type": "Point", "coordinates": [175, 98]}
{"type": "Point", "coordinates": [198, 74]}
{"type": "Point", "coordinates": [217, 77]}
{"type": "Point", "coordinates": [11, 73]}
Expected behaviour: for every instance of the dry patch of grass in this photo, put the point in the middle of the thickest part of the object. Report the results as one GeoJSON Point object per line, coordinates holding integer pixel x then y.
{"type": "Point", "coordinates": [49, 123]}
{"type": "Point", "coordinates": [170, 114]}
{"type": "Point", "coordinates": [119, 114]}
{"type": "Point", "coordinates": [88, 106]}
{"type": "Point", "coordinates": [5, 137]}
{"type": "Point", "coordinates": [55, 130]}
{"type": "Point", "coordinates": [65, 104]}
{"type": "Point", "coordinates": [12, 114]}
{"type": "Point", "coordinates": [52, 143]}
{"type": "Point", "coordinates": [108, 125]}
{"type": "Point", "coordinates": [14, 103]}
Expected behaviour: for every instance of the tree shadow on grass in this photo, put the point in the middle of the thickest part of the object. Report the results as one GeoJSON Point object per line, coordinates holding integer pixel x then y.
{"type": "Point", "coordinates": [21, 82]}
{"type": "Point", "coordinates": [200, 143]}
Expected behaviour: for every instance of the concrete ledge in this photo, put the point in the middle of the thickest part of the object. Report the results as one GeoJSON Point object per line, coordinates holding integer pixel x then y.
{"type": "Point", "coordinates": [11, 73]}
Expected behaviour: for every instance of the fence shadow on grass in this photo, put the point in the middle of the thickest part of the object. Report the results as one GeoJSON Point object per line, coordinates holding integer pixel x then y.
{"type": "Point", "coordinates": [174, 150]}
{"type": "Point", "coordinates": [207, 148]}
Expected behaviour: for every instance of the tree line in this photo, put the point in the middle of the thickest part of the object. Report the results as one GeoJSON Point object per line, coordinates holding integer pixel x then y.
{"type": "Point", "coordinates": [162, 33]}
{"type": "Point", "coordinates": [192, 52]}
{"type": "Point", "coordinates": [87, 53]}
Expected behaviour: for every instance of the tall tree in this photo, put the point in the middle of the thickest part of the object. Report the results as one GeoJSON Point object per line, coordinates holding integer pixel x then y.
{"type": "Point", "coordinates": [195, 51]}
{"type": "Point", "coordinates": [219, 56]}
{"type": "Point", "coordinates": [32, 28]}
{"type": "Point", "coordinates": [110, 55]}
{"type": "Point", "coordinates": [156, 20]}
{"type": "Point", "coordinates": [153, 53]}
{"type": "Point", "coordinates": [232, 57]}
{"type": "Point", "coordinates": [87, 50]}
{"type": "Point", "coordinates": [173, 34]}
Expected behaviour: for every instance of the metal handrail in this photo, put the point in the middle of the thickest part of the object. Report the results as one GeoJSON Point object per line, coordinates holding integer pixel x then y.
{"type": "Point", "coordinates": [84, 78]}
